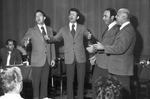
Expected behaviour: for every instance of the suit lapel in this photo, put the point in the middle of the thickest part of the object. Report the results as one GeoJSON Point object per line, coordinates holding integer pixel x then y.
{"type": "Point", "coordinates": [38, 32]}
{"type": "Point", "coordinates": [120, 32]}
{"type": "Point", "coordinates": [77, 31]}
{"type": "Point", "coordinates": [109, 32]}
{"type": "Point", "coordinates": [68, 31]}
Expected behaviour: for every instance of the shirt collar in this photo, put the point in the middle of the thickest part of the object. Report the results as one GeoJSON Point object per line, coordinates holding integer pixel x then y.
{"type": "Point", "coordinates": [70, 25]}
{"type": "Point", "coordinates": [124, 24]}
{"type": "Point", "coordinates": [42, 26]}
{"type": "Point", "coordinates": [111, 25]}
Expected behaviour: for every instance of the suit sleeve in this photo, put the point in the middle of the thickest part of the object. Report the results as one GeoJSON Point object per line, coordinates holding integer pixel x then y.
{"type": "Point", "coordinates": [58, 37]}
{"type": "Point", "coordinates": [121, 44]}
{"type": "Point", "coordinates": [86, 32]}
{"type": "Point", "coordinates": [27, 35]}
{"type": "Point", "coordinates": [18, 58]}
{"type": "Point", "coordinates": [53, 53]}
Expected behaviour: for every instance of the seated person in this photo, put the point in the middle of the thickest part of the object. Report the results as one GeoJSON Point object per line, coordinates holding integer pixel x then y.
{"type": "Point", "coordinates": [10, 55]}
{"type": "Point", "coordinates": [108, 87]}
{"type": "Point", "coordinates": [22, 50]}
{"type": "Point", "coordinates": [11, 83]}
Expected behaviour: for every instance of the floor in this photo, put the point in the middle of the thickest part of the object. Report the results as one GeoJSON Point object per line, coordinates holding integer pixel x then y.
{"type": "Point", "coordinates": [54, 93]}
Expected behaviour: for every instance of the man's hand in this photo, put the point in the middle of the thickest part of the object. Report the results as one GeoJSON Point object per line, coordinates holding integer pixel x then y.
{"type": "Point", "coordinates": [98, 46]}
{"type": "Point", "coordinates": [27, 42]}
{"type": "Point", "coordinates": [92, 60]}
{"type": "Point", "coordinates": [52, 63]}
{"type": "Point", "coordinates": [90, 49]}
{"type": "Point", "coordinates": [89, 36]}
{"type": "Point", "coordinates": [46, 37]}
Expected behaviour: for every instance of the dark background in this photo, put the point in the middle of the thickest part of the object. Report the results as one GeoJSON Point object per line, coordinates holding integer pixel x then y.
{"type": "Point", "coordinates": [18, 15]}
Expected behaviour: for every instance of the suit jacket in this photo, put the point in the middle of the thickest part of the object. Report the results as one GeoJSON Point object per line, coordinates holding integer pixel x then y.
{"type": "Point", "coordinates": [121, 60]}
{"type": "Point", "coordinates": [14, 59]}
{"type": "Point", "coordinates": [107, 39]}
{"type": "Point", "coordinates": [40, 49]}
{"type": "Point", "coordinates": [72, 46]}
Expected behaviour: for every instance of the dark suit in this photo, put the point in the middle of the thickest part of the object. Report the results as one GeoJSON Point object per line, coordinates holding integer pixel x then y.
{"type": "Point", "coordinates": [14, 59]}
{"type": "Point", "coordinates": [101, 67]}
{"type": "Point", "coordinates": [41, 56]}
{"type": "Point", "coordinates": [121, 60]}
{"type": "Point", "coordinates": [74, 52]}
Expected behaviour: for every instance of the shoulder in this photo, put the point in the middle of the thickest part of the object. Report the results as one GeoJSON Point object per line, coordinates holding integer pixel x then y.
{"type": "Point", "coordinates": [3, 49]}
{"type": "Point", "coordinates": [80, 25]}
{"type": "Point", "coordinates": [16, 50]}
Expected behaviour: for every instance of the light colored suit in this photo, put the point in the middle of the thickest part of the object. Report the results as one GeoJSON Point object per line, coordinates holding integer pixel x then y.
{"type": "Point", "coordinates": [73, 46]}
{"type": "Point", "coordinates": [107, 39]}
{"type": "Point", "coordinates": [40, 49]}
{"type": "Point", "coordinates": [121, 59]}
{"type": "Point", "coordinates": [101, 67]}
{"type": "Point", "coordinates": [74, 56]}
{"type": "Point", "coordinates": [41, 56]}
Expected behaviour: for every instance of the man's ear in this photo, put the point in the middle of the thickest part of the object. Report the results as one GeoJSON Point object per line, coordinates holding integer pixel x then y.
{"type": "Point", "coordinates": [78, 17]}
{"type": "Point", "coordinates": [44, 18]}
{"type": "Point", "coordinates": [112, 17]}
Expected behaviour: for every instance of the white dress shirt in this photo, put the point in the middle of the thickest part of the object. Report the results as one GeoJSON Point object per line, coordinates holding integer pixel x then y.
{"type": "Point", "coordinates": [8, 58]}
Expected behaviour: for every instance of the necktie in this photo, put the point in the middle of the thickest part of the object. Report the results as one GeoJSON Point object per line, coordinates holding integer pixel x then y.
{"type": "Point", "coordinates": [105, 31]}
{"type": "Point", "coordinates": [73, 30]}
{"type": "Point", "coordinates": [8, 59]}
{"type": "Point", "coordinates": [43, 32]}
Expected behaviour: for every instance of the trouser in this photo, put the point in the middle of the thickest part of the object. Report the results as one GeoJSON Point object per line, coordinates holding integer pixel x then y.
{"type": "Point", "coordinates": [40, 81]}
{"type": "Point", "coordinates": [70, 69]}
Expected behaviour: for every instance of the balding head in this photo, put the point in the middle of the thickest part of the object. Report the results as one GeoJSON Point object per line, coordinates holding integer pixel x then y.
{"type": "Point", "coordinates": [125, 12]}
{"type": "Point", "coordinates": [123, 15]}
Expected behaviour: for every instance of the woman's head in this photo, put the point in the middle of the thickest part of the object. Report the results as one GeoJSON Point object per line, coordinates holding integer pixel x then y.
{"type": "Point", "coordinates": [108, 87]}
{"type": "Point", "coordinates": [11, 79]}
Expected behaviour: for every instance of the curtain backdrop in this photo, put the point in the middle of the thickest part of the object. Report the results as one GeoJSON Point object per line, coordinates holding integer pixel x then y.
{"type": "Point", "coordinates": [18, 15]}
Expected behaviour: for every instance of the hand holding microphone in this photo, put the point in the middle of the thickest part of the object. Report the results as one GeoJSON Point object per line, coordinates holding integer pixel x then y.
{"type": "Point", "coordinates": [46, 37]}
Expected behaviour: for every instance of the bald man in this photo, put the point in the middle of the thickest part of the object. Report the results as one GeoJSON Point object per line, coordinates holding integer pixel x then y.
{"type": "Point", "coordinates": [121, 60]}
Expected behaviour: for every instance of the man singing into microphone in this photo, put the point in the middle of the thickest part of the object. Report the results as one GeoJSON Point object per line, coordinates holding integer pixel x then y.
{"type": "Point", "coordinates": [42, 55]}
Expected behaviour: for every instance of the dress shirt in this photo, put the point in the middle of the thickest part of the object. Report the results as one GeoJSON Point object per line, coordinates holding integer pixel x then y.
{"type": "Point", "coordinates": [111, 25]}
{"type": "Point", "coordinates": [44, 28]}
{"type": "Point", "coordinates": [124, 24]}
{"type": "Point", "coordinates": [75, 27]}
{"type": "Point", "coordinates": [8, 58]}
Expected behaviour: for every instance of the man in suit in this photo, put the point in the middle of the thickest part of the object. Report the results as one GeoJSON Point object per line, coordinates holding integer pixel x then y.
{"type": "Point", "coordinates": [121, 60]}
{"type": "Point", "coordinates": [10, 55]}
{"type": "Point", "coordinates": [74, 51]}
{"type": "Point", "coordinates": [108, 37]}
{"type": "Point", "coordinates": [42, 55]}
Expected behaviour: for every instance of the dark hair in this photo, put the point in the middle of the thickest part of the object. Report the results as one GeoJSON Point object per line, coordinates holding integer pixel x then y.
{"type": "Point", "coordinates": [9, 40]}
{"type": "Point", "coordinates": [107, 86]}
{"type": "Point", "coordinates": [40, 12]}
{"type": "Point", "coordinates": [112, 12]}
{"type": "Point", "coordinates": [76, 10]}
{"type": "Point", "coordinates": [15, 43]}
